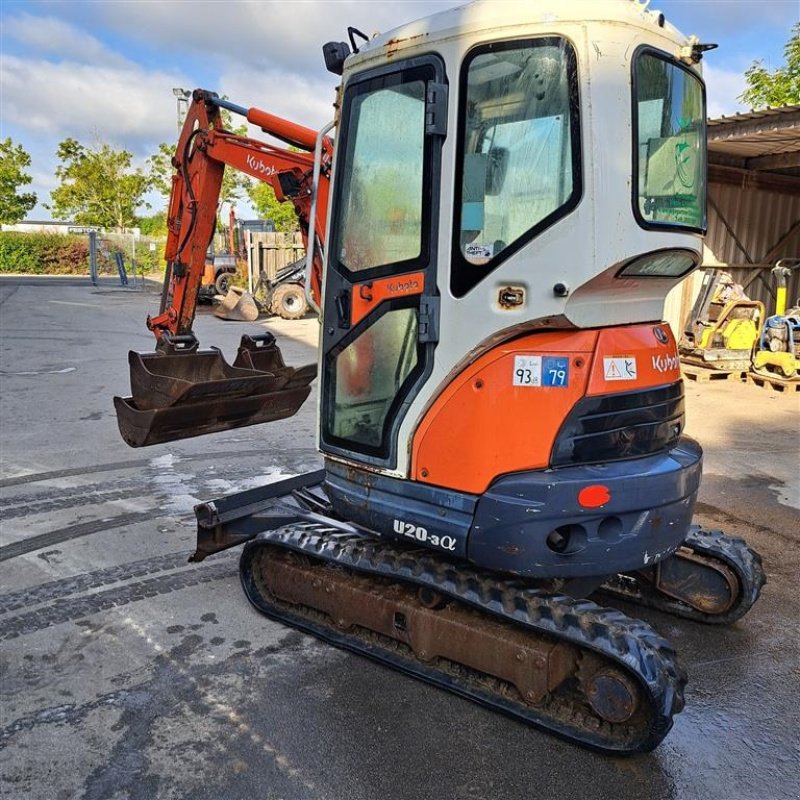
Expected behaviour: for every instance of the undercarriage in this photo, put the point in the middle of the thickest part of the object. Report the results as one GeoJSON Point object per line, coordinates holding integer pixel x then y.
{"type": "Point", "coordinates": [583, 672]}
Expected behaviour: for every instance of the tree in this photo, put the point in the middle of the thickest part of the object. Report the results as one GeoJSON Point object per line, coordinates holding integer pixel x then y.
{"type": "Point", "coordinates": [780, 87]}
{"type": "Point", "coordinates": [262, 196]}
{"type": "Point", "coordinates": [98, 185]}
{"type": "Point", "coordinates": [153, 224]}
{"type": "Point", "coordinates": [14, 205]}
{"type": "Point", "coordinates": [160, 168]}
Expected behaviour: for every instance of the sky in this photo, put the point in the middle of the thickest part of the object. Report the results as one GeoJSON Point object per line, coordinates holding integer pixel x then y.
{"type": "Point", "coordinates": [105, 70]}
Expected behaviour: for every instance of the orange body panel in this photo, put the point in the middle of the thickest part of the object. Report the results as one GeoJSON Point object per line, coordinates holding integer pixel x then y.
{"type": "Point", "coordinates": [369, 295]}
{"type": "Point", "coordinates": [635, 350]}
{"type": "Point", "coordinates": [209, 275]}
{"type": "Point", "coordinates": [482, 426]}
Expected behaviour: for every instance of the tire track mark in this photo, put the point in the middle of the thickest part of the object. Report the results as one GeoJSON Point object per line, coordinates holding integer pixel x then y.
{"type": "Point", "coordinates": [71, 532]}
{"type": "Point", "coordinates": [136, 463]}
{"type": "Point", "coordinates": [79, 607]}
{"type": "Point", "coordinates": [93, 498]}
{"type": "Point", "coordinates": [54, 590]}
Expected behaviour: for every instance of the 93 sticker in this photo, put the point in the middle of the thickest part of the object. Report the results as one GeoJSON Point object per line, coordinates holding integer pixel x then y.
{"type": "Point", "coordinates": [527, 371]}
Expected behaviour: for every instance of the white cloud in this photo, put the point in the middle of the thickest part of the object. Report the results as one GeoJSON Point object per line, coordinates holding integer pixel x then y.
{"type": "Point", "coordinates": [723, 87]}
{"type": "Point", "coordinates": [308, 101]}
{"type": "Point", "coordinates": [50, 36]}
{"type": "Point", "coordinates": [283, 33]}
{"type": "Point", "coordinates": [123, 105]}
{"type": "Point", "coordinates": [59, 79]}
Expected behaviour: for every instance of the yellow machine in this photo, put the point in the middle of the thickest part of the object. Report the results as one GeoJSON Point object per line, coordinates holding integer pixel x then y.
{"type": "Point", "coordinates": [724, 326]}
{"type": "Point", "coordinates": [778, 352]}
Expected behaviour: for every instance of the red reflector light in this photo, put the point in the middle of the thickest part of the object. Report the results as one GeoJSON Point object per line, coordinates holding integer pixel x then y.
{"type": "Point", "coordinates": [594, 496]}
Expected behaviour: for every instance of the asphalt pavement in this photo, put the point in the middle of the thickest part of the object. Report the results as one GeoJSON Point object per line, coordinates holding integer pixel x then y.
{"type": "Point", "coordinates": [127, 673]}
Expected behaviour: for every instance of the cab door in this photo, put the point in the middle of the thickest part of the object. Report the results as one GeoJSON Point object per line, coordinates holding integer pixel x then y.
{"type": "Point", "coordinates": [380, 296]}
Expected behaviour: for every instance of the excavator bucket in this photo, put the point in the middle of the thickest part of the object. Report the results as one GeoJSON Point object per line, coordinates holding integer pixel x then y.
{"type": "Point", "coordinates": [238, 306]}
{"type": "Point", "coordinates": [178, 394]}
{"type": "Point", "coordinates": [261, 353]}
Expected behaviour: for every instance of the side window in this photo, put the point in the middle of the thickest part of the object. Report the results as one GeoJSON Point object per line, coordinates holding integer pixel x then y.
{"type": "Point", "coordinates": [670, 144]}
{"type": "Point", "coordinates": [519, 151]}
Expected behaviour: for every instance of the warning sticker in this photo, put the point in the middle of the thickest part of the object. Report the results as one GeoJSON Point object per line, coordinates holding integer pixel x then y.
{"type": "Point", "coordinates": [619, 368]}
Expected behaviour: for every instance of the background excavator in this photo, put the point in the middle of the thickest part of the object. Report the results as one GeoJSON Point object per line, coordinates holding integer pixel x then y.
{"type": "Point", "coordinates": [515, 189]}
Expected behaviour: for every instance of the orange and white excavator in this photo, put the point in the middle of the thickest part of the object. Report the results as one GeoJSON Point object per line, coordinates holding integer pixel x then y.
{"type": "Point", "coordinates": [515, 189]}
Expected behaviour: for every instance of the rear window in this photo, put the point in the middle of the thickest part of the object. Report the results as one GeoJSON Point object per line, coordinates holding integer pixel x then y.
{"type": "Point", "coordinates": [670, 144]}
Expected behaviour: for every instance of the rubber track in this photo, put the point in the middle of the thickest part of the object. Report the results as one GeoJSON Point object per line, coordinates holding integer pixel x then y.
{"type": "Point", "coordinates": [731, 551]}
{"type": "Point", "coordinates": [632, 644]}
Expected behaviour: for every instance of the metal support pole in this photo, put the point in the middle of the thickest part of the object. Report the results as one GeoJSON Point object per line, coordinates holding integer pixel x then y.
{"type": "Point", "coordinates": [93, 256]}
{"type": "Point", "coordinates": [312, 222]}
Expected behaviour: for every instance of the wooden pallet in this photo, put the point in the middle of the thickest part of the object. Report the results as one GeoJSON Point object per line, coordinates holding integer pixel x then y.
{"type": "Point", "coordinates": [704, 375]}
{"type": "Point", "coordinates": [776, 384]}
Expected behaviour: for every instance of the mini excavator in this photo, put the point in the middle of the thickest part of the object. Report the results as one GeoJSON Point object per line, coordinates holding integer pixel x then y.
{"type": "Point", "coordinates": [514, 190]}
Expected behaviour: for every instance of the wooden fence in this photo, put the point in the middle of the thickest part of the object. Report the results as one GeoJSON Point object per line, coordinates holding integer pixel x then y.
{"type": "Point", "coordinates": [269, 252]}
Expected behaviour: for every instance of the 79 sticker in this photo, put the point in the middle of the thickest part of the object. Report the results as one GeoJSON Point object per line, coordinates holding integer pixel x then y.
{"type": "Point", "coordinates": [537, 371]}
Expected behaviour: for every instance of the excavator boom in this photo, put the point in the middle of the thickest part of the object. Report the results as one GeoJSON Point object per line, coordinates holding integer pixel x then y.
{"type": "Point", "coordinates": [179, 391]}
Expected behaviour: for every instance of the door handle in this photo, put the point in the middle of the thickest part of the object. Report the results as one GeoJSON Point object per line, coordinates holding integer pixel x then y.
{"type": "Point", "coordinates": [343, 308]}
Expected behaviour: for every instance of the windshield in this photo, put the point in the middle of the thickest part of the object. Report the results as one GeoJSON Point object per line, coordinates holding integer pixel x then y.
{"type": "Point", "coordinates": [670, 157]}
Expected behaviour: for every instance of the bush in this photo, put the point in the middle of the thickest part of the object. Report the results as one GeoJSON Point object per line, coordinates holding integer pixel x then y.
{"type": "Point", "coordinates": [56, 254]}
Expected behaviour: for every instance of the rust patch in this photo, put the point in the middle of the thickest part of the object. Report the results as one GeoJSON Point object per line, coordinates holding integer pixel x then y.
{"type": "Point", "coordinates": [533, 665]}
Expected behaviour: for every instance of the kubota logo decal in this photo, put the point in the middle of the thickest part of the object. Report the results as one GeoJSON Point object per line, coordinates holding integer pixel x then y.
{"type": "Point", "coordinates": [666, 363]}
{"type": "Point", "coordinates": [401, 287]}
{"type": "Point", "coordinates": [257, 165]}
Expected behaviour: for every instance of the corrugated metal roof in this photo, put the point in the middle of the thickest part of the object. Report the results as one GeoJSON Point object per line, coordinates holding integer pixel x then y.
{"type": "Point", "coordinates": [762, 113]}
{"type": "Point", "coordinates": [768, 132]}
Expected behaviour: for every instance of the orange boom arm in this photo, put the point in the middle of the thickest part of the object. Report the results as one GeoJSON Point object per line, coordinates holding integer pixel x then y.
{"type": "Point", "coordinates": [204, 150]}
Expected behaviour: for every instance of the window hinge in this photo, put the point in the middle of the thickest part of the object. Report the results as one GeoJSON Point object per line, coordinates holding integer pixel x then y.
{"type": "Point", "coordinates": [428, 319]}
{"type": "Point", "coordinates": [436, 109]}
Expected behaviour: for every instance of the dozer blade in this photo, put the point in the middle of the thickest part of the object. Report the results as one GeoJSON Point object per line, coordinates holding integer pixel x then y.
{"type": "Point", "coordinates": [237, 306]}
{"type": "Point", "coordinates": [178, 394]}
{"type": "Point", "coordinates": [143, 427]}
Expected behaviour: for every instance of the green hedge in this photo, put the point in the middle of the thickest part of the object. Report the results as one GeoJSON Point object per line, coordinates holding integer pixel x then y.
{"type": "Point", "coordinates": [57, 254]}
